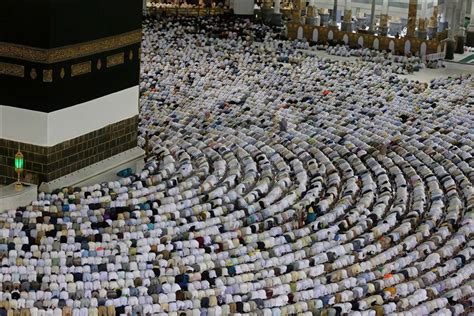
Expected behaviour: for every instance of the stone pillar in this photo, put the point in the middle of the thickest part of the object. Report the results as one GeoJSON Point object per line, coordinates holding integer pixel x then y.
{"type": "Point", "coordinates": [372, 17]}
{"type": "Point", "coordinates": [347, 25]}
{"type": "Point", "coordinates": [422, 29]}
{"type": "Point", "coordinates": [443, 17]}
{"type": "Point", "coordinates": [412, 10]}
{"type": "Point", "coordinates": [296, 15]}
{"type": "Point", "coordinates": [450, 42]}
{"type": "Point", "coordinates": [302, 6]}
{"type": "Point", "coordinates": [324, 16]}
{"type": "Point", "coordinates": [267, 4]}
{"type": "Point", "coordinates": [460, 29]}
{"type": "Point", "coordinates": [470, 29]}
{"type": "Point", "coordinates": [312, 16]}
{"type": "Point", "coordinates": [422, 21]}
{"type": "Point", "coordinates": [433, 24]}
{"type": "Point", "coordinates": [334, 14]}
{"type": "Point", "coordinates": [267, 11]}
{"type": "Point", "coordinates": [384, 18]}
{"type": "Point", "coordinates": [276, 6]}
{"type": "Point", "coordinates": [277, 16]}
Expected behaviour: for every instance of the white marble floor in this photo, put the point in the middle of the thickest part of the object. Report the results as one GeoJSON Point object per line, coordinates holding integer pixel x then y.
{"type": "Point", "coordinates": [425, 75]}
{"type": "Point", "coordinates": [452, 69]}
{"type": "Point", "coordinates": [467, 57]}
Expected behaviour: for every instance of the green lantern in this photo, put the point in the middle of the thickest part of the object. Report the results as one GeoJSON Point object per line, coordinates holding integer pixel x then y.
{"type": "Point", "coordinates": [19, 161]}
{"type": "Point", "coordinates": [19, 165]}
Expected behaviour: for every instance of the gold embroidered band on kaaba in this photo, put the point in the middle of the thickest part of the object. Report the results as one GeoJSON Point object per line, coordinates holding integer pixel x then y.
{"type": "Point", "coordinates": [116, 59]}
{"type": "Point", "coordinates": [59, 54]}
{"type": "Point", "coordinates": [12, 70]}
{"type": "Point", "coordinates": [81, 69]}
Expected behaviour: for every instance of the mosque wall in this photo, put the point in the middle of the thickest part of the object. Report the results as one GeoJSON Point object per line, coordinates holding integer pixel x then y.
{"type": "Point", "coordinates": [366, 40]}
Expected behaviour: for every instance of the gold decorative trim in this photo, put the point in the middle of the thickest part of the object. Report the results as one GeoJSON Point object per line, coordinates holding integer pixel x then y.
{"type": "Point", "coordinates": [116, 59]}
{"type": "Point", "coordinates": [47, 75]}
{"type": "Point", "coordinates": [99, 64]}
{"type": "Point", "coordinates": [54, 55]}
{"type": "Point", "coordinates": [62, 74]}
{"type": "Point", "coordinates": [81, 68]}
{"type": "Point", "coordinates": [12, 70]}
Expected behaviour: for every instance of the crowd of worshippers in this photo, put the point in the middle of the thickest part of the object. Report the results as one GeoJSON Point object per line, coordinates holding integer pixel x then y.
{"type": "Point", "coordinates": [278, 183]}
{"type": "Point", "coordinates": [402, 65]}
{"type": "Point", "coordinates": [186, 4]}
{"type": "Point", "coordinates": [221, 27]}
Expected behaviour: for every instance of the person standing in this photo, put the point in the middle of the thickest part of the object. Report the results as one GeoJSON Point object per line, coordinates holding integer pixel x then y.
{"type": "Point", "coordinates": [283, 125]}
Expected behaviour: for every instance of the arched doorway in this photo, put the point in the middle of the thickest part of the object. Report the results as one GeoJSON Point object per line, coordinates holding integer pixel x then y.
{"type": "Point", "coordinates": [345, 38]}
{"type": "Point", "coordinates": [315, 35]}
{"type": "Point", "coordinates": [407, 46]}
{"type": "Point", "coordinates": [376, 43]}
{"type": "Point", "coordinates": [391, 46]}
{"type": "Point", "coordinates": [330, 35]}
{"type": "Point", "coordinates": [423, 49]}
{"type": "Point", "coordinates": [300, 33]}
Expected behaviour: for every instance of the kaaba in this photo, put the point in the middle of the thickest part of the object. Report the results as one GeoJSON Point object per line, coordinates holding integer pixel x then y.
{"type": "Point", "coordinates": [69, 75]}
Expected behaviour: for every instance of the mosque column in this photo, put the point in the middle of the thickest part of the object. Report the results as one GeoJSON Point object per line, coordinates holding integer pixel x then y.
{"type": "Point", "coordinates": [277, 16]}
{"type": "Point", "coordinates": [443, 17]}
{"type": "Point", "coordinates": [450, 42]}
{"type": "Point", "coordinates": [449, 7]}
{"type": "Point", "coordinates": [276, 6]}
{"type": "Point", "coordinates": [470, 29]}
{"type": "Point", "coordinates": [302, 8]}
{"type": "Point", "coordinates": [324, 14]}
{"type": "Point", "coordinates": [460, 29]}
{"type": "Point", "coordinates": [384, 18]}
{"type": "Point", "coordinates": [267, 11]}
{"type": "Point", "coordinates": [296, 15]}
{"type": "Point", "coordinates": [334, 14]}
{"type": "Point", "coordinates": [412, 11]}
{"type": "Point", "coordinates": [422, 21]}
{"type": "Point", "coordinates": [347, 25]}
{"type": "Point", "coordinates": [312, 16]}
{"type": "Point", "coordinates": [267, 4]}
{"type": "Point", "coordinates": [372, 17]}
{"type": "Point", "coordinates": [433, 24]}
